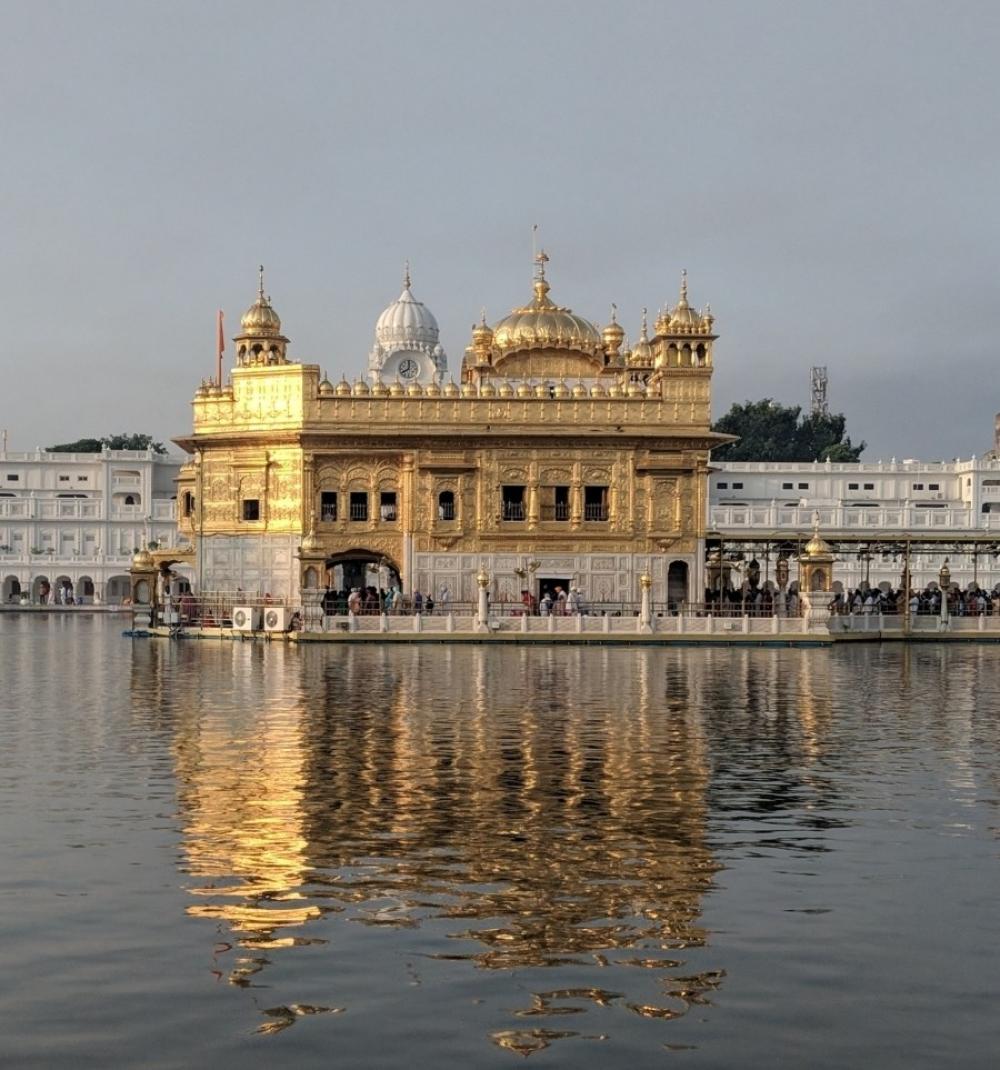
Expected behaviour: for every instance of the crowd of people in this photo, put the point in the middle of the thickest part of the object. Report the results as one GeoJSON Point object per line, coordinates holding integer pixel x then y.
{"type": "Point", "coordinates": [974, 601]}
{"type": "Point", "coordinates": [559, 602]}
{"type": "Point", "coordinates": [374, 600]}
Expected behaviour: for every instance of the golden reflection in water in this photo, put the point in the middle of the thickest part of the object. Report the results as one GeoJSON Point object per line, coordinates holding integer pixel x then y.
{"type": "Point", "coordinates": [533, 808]}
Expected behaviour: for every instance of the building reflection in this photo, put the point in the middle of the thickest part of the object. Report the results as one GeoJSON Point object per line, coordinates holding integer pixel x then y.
{"type": "Point", "coordinates": [526, 808]}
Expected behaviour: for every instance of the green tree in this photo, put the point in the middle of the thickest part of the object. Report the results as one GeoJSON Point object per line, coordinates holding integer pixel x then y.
{"type": "Point", "coordinates": [110, 442]}
{"type": "Point", "coordinates": [768, 431]}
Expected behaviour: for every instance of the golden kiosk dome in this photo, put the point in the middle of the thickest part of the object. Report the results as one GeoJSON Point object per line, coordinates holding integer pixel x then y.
{"type": "Point", "coordinates": [642, 355]}
{"type": "Point", "coordinates": [260, 320]}
{"type": "Point", "coordinates": [542, 324]}
{"type": "Point", "coordinates": [613, 335]}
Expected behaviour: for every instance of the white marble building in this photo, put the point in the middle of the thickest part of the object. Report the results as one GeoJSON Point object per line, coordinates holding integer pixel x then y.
{"type": "Point", "coordinates": [916, 498]}
{"type": "Point", "coordinates": [70, 522]}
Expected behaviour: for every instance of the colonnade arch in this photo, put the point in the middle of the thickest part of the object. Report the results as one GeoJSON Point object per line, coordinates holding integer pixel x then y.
{"type": "Point", "coordinates": [362, 568]}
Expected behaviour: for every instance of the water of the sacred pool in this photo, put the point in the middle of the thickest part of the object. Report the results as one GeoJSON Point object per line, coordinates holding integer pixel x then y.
{"type": "Point", "coordinates": [226, 854]}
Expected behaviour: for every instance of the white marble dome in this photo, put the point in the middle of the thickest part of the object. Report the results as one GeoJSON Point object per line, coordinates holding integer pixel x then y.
{"type": "Point", "coordinates": [407, 321]}
{"type": "Point", "coordinates": [407, 342]}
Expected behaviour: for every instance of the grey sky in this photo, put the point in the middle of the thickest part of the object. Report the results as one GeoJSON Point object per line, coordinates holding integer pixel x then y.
{"type": "Point", "coordinates": [828, 174]}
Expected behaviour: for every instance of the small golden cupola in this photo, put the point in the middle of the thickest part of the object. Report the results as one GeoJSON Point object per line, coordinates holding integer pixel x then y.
{"type": "Point", "coordinates": [613, 336]}
{"type": "Point", "coordinates": [642, 353]}
{"type": "Point", "coordinates": [260, 341]}
{"type": "Point", "coordinates": [816, 562]}
{"type": "Point", "coordinates": [545, 340]}
{"type": "Point", "coordinates": [482, 340]}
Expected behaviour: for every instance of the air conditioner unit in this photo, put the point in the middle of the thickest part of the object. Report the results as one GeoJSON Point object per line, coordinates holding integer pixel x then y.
{"type": "Point", "coordinates": [246, 618]}
{"type": "Point", "coordinates": [276, 619]}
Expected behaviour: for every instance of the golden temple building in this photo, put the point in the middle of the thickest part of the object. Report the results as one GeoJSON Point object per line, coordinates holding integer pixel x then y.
{"type": "Point", "coordinates": [561, 456]}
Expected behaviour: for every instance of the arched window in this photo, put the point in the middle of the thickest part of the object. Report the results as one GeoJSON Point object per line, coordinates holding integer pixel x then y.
{"type": "Point", "coordinates": [446, 505]}
{"type": "Point", "coordinates": [130, 499]}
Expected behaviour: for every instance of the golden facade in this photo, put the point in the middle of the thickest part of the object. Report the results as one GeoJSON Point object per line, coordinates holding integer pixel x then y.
{"type": "Point", "coordinates": [560, 454]}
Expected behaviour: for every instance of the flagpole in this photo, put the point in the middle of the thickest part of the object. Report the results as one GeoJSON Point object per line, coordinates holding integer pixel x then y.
{"type": "Point", "coordinates": [220, 348]}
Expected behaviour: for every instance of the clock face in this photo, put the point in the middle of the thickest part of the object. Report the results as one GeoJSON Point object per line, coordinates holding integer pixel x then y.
{"type": "Point", "coordinates": [408, 368]}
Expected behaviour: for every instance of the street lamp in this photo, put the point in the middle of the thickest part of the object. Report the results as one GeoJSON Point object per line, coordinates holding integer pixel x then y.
{"type": "Point", "coordinates": [944, 582]}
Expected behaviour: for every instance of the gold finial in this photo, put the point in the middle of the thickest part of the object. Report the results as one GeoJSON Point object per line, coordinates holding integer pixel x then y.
{"type": "Point", "coordinates": [406, 274]}
{"type": "Point", "coordinates": [684, 286]}
{"type": "Point", "coordinates": [644, 330]}
{"type": "Point", "coordinates": [541, 259]}
{"type": "Point", "coordinates": [614, 312]}
{"type": "Point", "coordinates": [541, 286]}
{"type": "Point", "coordinates": [260, 287]}
{"type": "Point", "coordinates": [815, 524]}
{"type": "Point", "coordinates": [482, 316]}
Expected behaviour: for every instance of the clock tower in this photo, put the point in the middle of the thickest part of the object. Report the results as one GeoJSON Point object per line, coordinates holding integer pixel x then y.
{"type": "Point", "coordinates": [406, 343]}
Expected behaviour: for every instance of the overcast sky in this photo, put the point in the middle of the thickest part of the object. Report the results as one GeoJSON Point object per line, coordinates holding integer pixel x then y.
{"type": "Point", "coordinates": [827, 173]}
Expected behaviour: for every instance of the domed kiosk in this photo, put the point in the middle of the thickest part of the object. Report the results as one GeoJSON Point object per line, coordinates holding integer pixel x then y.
{"type": "Point", "coordinates": [407, 342]}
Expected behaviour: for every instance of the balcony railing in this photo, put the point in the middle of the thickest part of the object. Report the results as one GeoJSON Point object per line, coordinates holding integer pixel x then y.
{"type": "Point", "coordinates": [512, 511]}
{"type": "Point", "coordinates": [559, 511]}
{"type": "Point", "coordinates": [595, 511]}
{"type": "Point", "coordinates": [359, 511]}
{"type": "Point", "coordinates": [838, 518]}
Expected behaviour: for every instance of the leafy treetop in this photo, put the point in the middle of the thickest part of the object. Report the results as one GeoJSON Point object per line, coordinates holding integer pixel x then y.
{"type": "Point", "coordinates": [771, 432]}
{"type": "Point", "coordinates": [110, 442]}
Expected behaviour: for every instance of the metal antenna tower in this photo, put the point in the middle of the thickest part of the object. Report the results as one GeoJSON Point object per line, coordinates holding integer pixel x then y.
{"type": "Point", "coordinates": [819, 404]}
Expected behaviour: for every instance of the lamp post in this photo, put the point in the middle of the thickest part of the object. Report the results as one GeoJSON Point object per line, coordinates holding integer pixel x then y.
{"type": "Point", "coordinates": [905, 586]}
{"type": "Point", "coordinates": [483, 615]}
{"type": "Point", "coordinates": [867, 556]}
{"type": "Point", "coordinates": [944, 582]}
{"type": "Point", "coordinates": [645, 614]}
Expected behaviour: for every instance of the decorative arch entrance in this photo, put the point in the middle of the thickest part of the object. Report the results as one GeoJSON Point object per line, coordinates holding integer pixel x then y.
{"type": "Point", "coordinates": [362, 568]}
{"type": "Point", "coordinates": [677, 583]}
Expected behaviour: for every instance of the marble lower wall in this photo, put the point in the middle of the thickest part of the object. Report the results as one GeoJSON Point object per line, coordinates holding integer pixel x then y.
{"type": "Point", "coordinates": [600, 577]}
{"type": "Point", "coordinates": [256, 564]}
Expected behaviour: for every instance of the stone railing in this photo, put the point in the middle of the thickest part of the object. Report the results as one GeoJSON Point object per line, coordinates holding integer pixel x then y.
{"type": "Point", "coordinates": [838, 518]}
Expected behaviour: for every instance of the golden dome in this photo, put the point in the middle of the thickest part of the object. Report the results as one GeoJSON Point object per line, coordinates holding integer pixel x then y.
{"type": "Point", "coordinates": [452, 390]}
{"type": "Point", "coordinates": [613, 335]}
{"type": "Point", "coordinates": [342, 389]}
{"type": "Point", "coordinates": [143, 559]}
{"type": "Point", "coordinates": [260, 320]}
{"type": "Point", "coordinates": [817, 547]}
{"type": "Point", "coordinates": [542, 324]}
{"type": "Point", "coordinates": [482, 333]}
{"type": "Point", "coordinates": [682, 318]}
{"type": "Point", "coordinates": [311, 543]}
{"type": "Point", "coordinates": [642, 355]}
